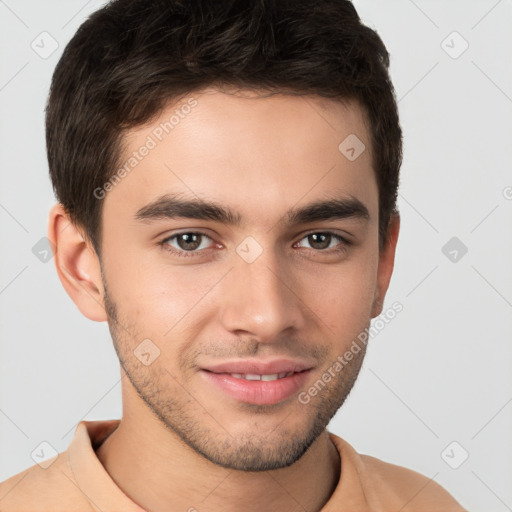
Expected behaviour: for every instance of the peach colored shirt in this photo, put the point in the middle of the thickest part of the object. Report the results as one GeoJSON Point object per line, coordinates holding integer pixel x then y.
{"type": "Point", "coordinates": [77, 481]}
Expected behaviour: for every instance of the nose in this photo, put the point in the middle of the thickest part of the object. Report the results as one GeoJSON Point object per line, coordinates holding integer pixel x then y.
{"type": "Point", "coordinates": [261, 299]}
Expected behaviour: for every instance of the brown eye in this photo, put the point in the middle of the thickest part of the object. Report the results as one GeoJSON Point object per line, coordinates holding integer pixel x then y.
{"type": "Point", "coordinates": [186, 242]}
{"type": "Point", "coordinates": [319, 240]}
{"type": "Point", "coordinates": [322, 240]}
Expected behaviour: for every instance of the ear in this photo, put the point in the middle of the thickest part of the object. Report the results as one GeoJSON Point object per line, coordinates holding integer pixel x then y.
{"type": "Point", "coordinates": [77, 264]}
{"type": "Point", "coordinates": [386, 264]}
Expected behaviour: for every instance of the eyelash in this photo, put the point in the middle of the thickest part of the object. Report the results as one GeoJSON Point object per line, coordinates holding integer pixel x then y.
{"type": "Point", "coordinates": [342, 248]}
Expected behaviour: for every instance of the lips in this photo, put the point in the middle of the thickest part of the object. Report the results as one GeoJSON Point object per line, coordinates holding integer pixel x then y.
{"type": "Point", "coordinates": [258, 382]}
{"type": "Point", "coordinates": [254, 367]}
{"type": "Point", "coordinates": [263, 377]}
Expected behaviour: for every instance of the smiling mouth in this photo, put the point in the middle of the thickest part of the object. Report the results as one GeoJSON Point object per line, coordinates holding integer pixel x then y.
{"type": "Point", "coordinates": [258, 388]}
{"type": "Point", "coordinates": [264, 377]}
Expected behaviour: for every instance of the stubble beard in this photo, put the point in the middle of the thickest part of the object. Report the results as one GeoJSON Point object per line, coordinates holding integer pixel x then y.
{"type": "Point", "coordinates": [191, 422]}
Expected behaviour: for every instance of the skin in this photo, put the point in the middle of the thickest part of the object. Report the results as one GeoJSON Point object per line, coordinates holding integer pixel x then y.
{"type": "Point", "coordinates": [182, 442]}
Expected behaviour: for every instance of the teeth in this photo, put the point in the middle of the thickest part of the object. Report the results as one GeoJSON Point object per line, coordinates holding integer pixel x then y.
{"type": "Point", "coordinates": [275, 376]}
{"type": "Point", "coordinates": [266, 378]}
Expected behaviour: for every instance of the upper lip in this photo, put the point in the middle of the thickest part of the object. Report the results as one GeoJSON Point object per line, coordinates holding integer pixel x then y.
{"type": "Point", "coordinates": [255, 367]}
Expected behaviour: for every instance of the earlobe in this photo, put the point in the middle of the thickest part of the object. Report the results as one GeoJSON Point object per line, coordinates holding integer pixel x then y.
{"type": "Point", "coordinates": [386, 264]}
{"type": "Point", "coordinates": [77, 264]}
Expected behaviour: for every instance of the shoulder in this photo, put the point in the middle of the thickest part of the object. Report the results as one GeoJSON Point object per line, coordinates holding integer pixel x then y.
{"type": "Point", "coordinates": [418, 491]}
{"type": "Point", "coordinates": [52, 489]}
{"type": "Point", "coordinates": [389, 486]}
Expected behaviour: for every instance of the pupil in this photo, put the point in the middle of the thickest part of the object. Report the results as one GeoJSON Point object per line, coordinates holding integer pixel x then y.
{"type": "Point", "coordinates": [190, 241]}
{"type": "Point", "coordinates": [326, 238]}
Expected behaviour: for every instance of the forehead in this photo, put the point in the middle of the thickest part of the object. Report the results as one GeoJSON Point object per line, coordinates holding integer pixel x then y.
{"type": "Point", "coordinates": [255, 153]}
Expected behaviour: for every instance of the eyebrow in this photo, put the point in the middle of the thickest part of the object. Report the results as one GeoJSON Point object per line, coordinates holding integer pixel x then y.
{"type": "Point", "coordinates": [173, 207]}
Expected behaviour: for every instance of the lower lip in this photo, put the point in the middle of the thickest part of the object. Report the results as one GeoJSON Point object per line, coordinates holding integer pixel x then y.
{"type": "Point", "coordinates": [257, 391]}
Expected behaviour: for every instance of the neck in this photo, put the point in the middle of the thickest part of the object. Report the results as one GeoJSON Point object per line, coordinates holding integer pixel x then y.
{"type": "Point", "coordinates": [161, 473]}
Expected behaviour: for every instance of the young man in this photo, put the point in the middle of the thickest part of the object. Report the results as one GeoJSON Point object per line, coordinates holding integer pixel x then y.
{"type": "Point", "coordinates": [227, 176]}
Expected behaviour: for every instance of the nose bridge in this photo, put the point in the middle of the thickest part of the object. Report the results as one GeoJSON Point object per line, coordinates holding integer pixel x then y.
{"type": "Point", "coordinates": [258, 296]}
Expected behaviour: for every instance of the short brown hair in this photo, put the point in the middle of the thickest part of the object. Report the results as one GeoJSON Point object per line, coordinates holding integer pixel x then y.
{"type": "Point", "coordinates": [131, 57]}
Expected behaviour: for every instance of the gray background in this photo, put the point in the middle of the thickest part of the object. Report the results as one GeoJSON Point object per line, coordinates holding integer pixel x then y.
{"type": "Point", "coordinates": [439, 372]}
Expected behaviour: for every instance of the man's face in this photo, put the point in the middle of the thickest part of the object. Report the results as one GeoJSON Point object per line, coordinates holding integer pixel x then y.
{"type": "Point", "coordinates": [227, 302]}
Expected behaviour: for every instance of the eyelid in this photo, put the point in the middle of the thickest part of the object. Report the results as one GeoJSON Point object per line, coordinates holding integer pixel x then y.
{"type": "Point", "coordinates": [186, 232]}
{"type": "Point", "coordinates": [164, 243]}
{"type": "Point", "coordinates": [344, 242]}
{"type": "Point", "coordinates": [342, 246]}
{"type": "Point", "coordinates": [347, 237]}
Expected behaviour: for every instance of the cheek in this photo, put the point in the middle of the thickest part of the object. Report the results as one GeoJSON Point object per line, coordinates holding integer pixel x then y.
{"type": "Point", "coordinates": [343, 295]}
{"type": "Point", "coordinates": [161, 299]}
